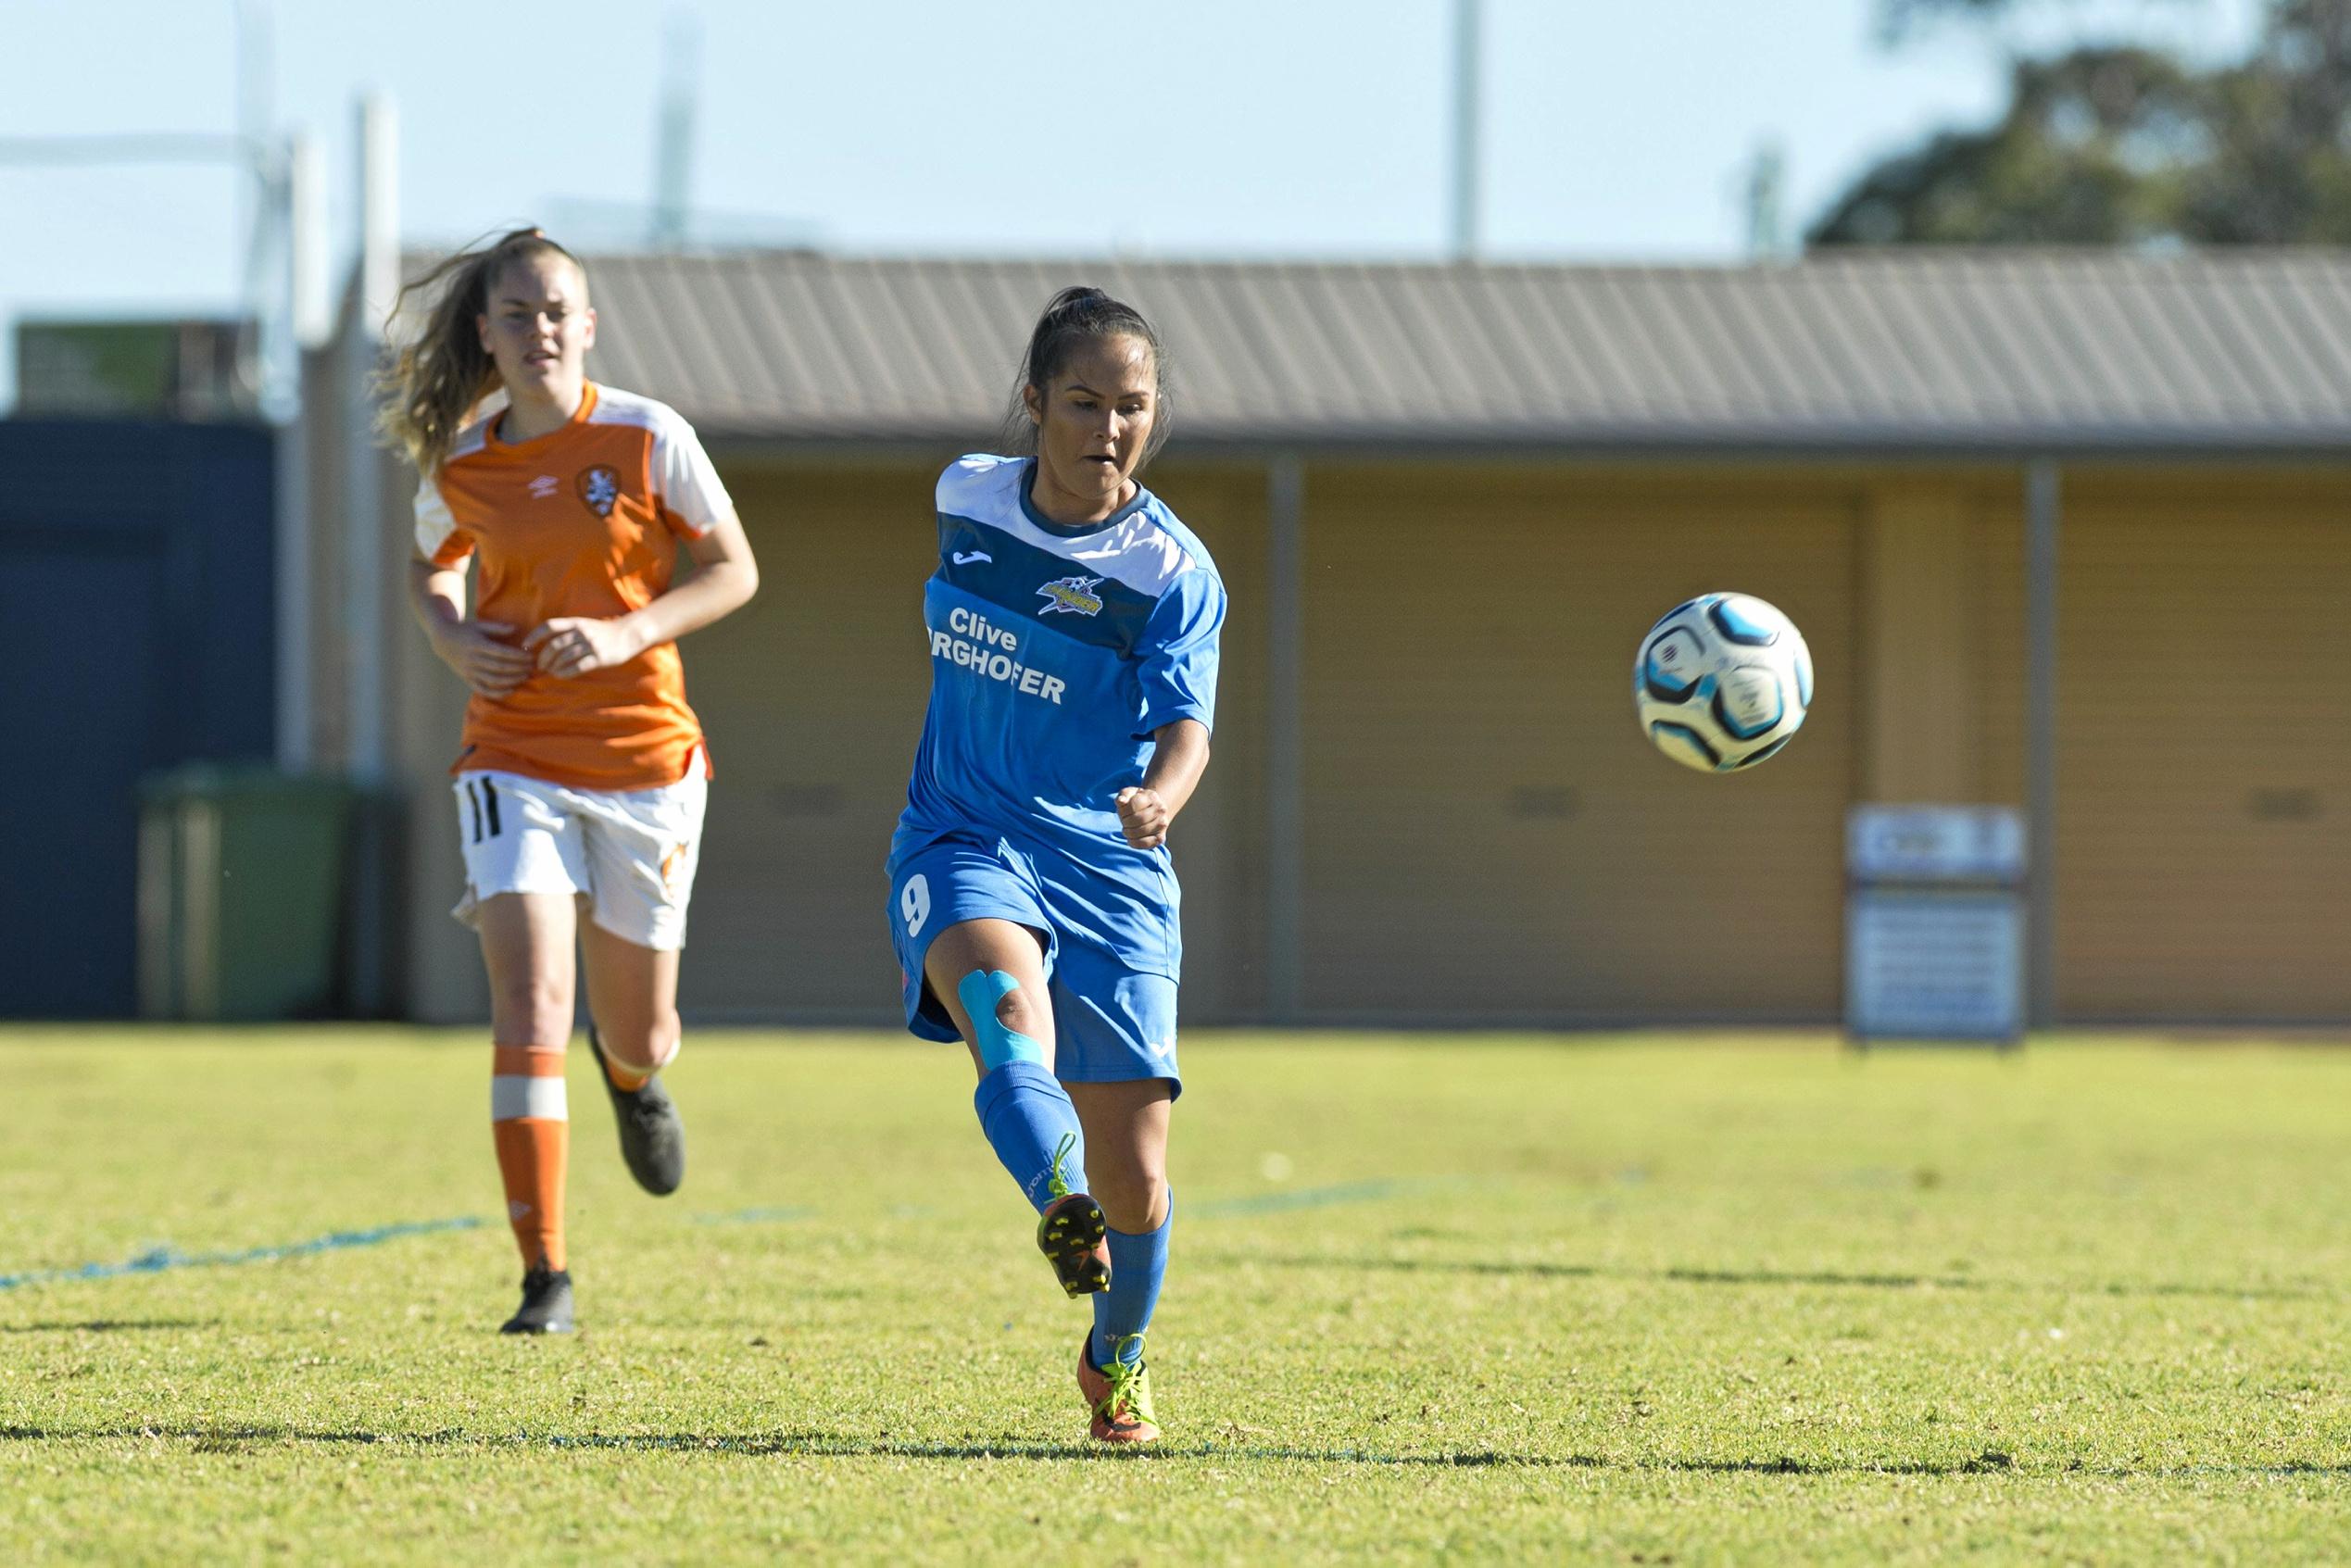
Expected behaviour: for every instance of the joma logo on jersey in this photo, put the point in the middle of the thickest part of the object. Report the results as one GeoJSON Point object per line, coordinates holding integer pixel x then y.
{"type": "Point", "coordinates": [600, 487]}
{"type": "Point", "coordinates": [1074, 594]}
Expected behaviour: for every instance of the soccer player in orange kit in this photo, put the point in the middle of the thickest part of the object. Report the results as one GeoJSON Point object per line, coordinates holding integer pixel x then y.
{"type": "Point", "coordinates": [582, 775]}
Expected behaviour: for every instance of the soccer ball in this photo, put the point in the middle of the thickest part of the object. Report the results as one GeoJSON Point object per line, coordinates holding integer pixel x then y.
{"type": "Point", "coordinates": [1722, 682]}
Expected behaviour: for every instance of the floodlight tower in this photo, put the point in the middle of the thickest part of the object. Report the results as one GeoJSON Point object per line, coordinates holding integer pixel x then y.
{"type": "Point", "coordinates": [673, 141]}
{"type": "Point", "coordinates": [1766, 183]}
{"type": "Point", "coordinates": [1466, 70]}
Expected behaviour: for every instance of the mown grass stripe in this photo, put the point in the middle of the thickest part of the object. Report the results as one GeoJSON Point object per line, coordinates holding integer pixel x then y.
{"type": "Point", "coordinates": [772, 1215]}
{"type": "Point", "coordinates": [1303, 1198]}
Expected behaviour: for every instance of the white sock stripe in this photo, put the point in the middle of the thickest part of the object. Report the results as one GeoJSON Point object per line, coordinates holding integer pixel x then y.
{"type": "Point", "coordinates": [540, 1099]}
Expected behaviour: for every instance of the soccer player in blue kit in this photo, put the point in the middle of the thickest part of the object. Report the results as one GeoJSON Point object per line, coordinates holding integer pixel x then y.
{"type": "Point", "coordinates": [1073, 624]}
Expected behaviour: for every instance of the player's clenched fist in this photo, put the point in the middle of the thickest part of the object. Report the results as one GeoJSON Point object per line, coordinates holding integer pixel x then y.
{"type": "Point", "coordinates": [1143, 817]}
{"type": "Point", "coordinates": [480, 653]}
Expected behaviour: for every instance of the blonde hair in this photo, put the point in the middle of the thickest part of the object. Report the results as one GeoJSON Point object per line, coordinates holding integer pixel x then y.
{"type": "Point", "coordinates": [439, 376]}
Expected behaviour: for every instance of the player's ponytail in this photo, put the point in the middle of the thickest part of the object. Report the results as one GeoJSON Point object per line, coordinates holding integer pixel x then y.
{"type": "Point", "coordinates": [438, 376]}
{"type": "Point", "coordinates": [1075, 316]}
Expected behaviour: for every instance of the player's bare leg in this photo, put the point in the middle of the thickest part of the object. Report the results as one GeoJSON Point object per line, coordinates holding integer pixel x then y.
{"type": "Point", "coordinates": [633, 1000]}
{"type": "Point", "coordinates": [991, 976]}
{"type": "Point", "coordinates": [526, 946]}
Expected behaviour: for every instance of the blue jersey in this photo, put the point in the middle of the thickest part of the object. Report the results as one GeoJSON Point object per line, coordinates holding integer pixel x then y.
{"type": "Point", "coordinates": [1056, 652]}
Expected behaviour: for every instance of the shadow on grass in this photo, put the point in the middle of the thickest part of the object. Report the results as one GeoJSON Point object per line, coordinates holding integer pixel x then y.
{"type": "Point", "coordinates": [108, 1325]}
{"type": "Point", "coordinates": [1775, 1277]}
{"type": "Point", "coordinates": [830, 1445]}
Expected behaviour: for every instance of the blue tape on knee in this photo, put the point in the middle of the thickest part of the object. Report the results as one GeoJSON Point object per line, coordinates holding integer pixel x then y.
{"type": "Point", "coordinates": [982, 992]}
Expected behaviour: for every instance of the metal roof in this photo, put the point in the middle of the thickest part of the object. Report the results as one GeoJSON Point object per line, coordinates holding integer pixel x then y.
{"type": "Point", "coordinates": [1887, 350]}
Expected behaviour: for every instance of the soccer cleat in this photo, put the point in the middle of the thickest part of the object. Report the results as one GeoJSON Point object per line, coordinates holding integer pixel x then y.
{"type": "Point", "coordinates": [1073, 1234]}
{"type": "Point", "coordinates": [1120, 1395]}
{"type": "Point", "coordinates": [652, 1136]}
{"type": "Point", "coordinates": [547, 1303]}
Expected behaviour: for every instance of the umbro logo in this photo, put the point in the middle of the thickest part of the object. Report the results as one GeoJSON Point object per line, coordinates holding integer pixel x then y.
{"type": "Point", "coordinates": [966, 558]}
{"type": "Point", "coordinates": [544, 486]}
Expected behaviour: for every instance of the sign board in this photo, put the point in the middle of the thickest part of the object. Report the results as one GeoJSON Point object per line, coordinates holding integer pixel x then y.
{"type": "Point", "coordinates": [1935, 844]}
{"type": "Point", "coordinates": [1935, 923]}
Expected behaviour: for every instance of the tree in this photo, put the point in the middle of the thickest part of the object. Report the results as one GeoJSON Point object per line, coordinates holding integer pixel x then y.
{"type": "Point", "coordinates": [2106, 145]}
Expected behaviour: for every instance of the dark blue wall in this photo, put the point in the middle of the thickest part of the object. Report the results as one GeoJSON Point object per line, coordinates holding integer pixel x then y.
{"type": "Point", "coordinates": [136, 631]}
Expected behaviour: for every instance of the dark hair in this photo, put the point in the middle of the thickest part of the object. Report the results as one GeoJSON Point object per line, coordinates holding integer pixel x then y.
{"type": "Point", "coordinates": [1075, 316]}
{"type": "Point", "coordinates": [437, 376]}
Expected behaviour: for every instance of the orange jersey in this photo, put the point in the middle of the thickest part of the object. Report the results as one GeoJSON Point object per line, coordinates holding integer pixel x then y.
{"type": "Point", "coordinates": [583, 522]}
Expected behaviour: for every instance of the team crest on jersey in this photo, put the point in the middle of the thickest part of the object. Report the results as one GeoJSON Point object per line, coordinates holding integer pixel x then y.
{"type": "Point", "coordinates": [1073, 595]}
{"type": "Point", "coordinates": [600, 487]}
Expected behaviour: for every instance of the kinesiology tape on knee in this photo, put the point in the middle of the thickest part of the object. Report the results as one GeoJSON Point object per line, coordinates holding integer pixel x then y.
{"type": "Point", "coordinates": [983, 992]}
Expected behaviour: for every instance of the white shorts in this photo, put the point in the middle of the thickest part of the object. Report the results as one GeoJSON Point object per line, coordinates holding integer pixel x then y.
{"type": "Point", "coordinates": [632, 853]}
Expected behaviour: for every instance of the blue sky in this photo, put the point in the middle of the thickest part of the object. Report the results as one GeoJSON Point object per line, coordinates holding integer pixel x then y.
{"type": "Point", "coordinates": [1319, 128]}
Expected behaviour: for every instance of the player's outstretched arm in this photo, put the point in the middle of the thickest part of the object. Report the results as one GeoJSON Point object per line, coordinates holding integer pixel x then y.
{"type": "Point", "coordinates": [724, 579]}
{"type": "Point", "coordinates": [1146, 812]}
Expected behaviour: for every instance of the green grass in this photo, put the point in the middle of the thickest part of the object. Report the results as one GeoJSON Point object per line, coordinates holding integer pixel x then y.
{"type": "Point", "coordinates": [1629, 1300]}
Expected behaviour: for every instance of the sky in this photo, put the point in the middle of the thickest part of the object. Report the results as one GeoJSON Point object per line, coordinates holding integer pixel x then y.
{"type": "Point", "coordinates": [1611, 131]}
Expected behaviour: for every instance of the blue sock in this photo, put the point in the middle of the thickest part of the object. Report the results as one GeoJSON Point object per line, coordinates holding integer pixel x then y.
{"type": "Point", "coordinates": [1137, 1264]}
{"type": "Point", "coordinates": [1028, 1117]}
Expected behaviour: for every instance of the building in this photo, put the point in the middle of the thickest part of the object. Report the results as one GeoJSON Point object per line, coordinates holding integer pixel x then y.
{"type": "Point", "coordinates": [1448, 500]}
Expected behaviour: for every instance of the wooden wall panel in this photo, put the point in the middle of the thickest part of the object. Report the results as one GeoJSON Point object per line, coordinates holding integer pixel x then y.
{"type": "Point", "coordinates": [1489, 834]}
{"type": "Point", "coordinates": [2203, 853]}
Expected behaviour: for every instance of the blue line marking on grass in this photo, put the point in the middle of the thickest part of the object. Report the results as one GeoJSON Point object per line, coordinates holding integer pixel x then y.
{"type": "Point", "coordinates": [1305, 1197]}
{"type": "Point", "coordinates": [769, 1216]}
{"type": "Point", "coordinates": [156, 1259]}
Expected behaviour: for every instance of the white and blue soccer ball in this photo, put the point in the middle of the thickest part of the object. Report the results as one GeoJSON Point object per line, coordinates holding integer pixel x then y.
{"type": "Point", "coordinates": [1722, 682]}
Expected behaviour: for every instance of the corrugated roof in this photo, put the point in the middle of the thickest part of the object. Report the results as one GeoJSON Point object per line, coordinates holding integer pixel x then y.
{"type": "Point", "coordinates": [1933, 351]}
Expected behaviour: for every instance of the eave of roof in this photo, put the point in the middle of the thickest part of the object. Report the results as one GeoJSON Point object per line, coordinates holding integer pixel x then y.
{"type": "Point", "coordinates": [1972, 354]}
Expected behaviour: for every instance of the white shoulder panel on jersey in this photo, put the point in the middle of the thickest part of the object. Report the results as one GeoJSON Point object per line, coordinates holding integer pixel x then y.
{"type": "Point", "coordinates": [684, 479]}
{"type": "Point", "coordinates": [474, 437]}
{"type": "Point", "coordinates": [434, 522]}
{"type": "Point", "coordinates": [1138, 551]}
{"type": "Point", "coordinates": [973, 482]}
{"type": "Point", "coordinates": [615, 407]}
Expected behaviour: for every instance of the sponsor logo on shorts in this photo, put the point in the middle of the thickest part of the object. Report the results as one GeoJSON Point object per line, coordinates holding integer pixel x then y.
{"type": "Point", "coordinates": [670, 864]}
{"type": "Point", "coordinates": [600, 488]}
{"type": "Point", "coordinates": [1074, 596]}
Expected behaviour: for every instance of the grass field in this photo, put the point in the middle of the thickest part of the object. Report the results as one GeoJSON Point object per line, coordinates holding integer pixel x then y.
{"type": "Point", "coordinates": [1631, 1300]}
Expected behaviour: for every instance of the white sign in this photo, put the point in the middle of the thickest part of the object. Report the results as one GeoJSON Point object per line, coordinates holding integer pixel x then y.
{"type": "Point", "coordinates": [1935, 844]}
{"type": "Point", "coordinates": [1937, 966]}
{"type": "Point", "coordinates": [1935, 922]}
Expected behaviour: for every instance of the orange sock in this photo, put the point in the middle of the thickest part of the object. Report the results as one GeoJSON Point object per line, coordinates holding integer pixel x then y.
{"type": "Point", "coordinates": [627, 1080]}
{"type": "Point", "coordinates": [530, 1122]}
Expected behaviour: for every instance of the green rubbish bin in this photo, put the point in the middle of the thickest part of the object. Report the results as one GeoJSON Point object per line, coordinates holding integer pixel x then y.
{"type": "Point", "coordinates": [240, 893]}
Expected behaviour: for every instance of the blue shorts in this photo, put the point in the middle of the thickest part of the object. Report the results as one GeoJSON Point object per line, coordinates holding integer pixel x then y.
{"type": "Point", "coordinates": [1112, 1023]}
